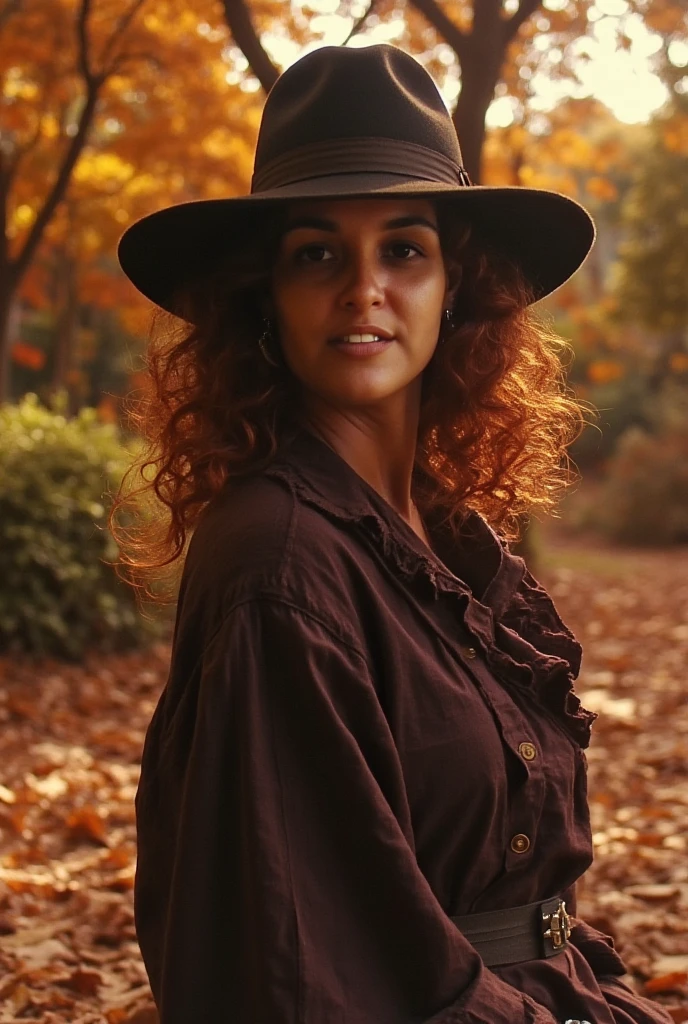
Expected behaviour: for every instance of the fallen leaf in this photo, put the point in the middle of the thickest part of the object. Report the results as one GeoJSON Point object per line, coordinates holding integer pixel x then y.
{"type": "Point", "coordinates": [86, 824]}
{"type": "Point", "coordinates": [653, 892]}
{"type": "Point", "coordinates": [116, 1015]}
{"type": "Point", "coordinates": [85, 982]}
{"type": "Point", "coordinates": [20, 998]}
{"type": "Point", "coordinates": [666, 982]}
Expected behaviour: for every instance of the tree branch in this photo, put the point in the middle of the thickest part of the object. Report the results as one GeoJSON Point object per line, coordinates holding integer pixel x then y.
{"type": "Point", "coordinates": [56, 193]}
{"type": "Point", "coordinates": [513, 24]}
{"type": "Point", "coordinates": [126, 58]}
{"type": "Point", "coordinates": [243, 32]}
{"type": "Point", "coordinates": [82, 36]}
{"type": "Point", "coordinates": [93, 82]}
{"type": "Point", "coordinates": [450, 32]}
{"type": "Point", "coordinates": [358, 25]}
{"type": "Point", "coordinates": [122, 25]}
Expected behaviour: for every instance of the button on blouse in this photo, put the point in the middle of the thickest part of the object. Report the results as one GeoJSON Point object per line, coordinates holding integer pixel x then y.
{"type": "Point", "coordinates": [527, 751]}
{"type": "Point", "coordinates": [520, 843]}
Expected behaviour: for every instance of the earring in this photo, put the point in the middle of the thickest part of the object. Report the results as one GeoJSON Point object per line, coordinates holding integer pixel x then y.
{"type": "Point", "coordinates": [447, 323]}
{"type": "Point", "coordinates": [266, 337]}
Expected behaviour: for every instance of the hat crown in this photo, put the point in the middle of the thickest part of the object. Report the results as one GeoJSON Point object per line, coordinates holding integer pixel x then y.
{"type": "Point", "coordinates": [348, 124]}
{"type": "Point", "coordinates": [340, 93]}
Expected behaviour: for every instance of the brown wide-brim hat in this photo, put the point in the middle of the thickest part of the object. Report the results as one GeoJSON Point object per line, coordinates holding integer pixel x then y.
{"type": "Point", "coordinates": [357, 123]}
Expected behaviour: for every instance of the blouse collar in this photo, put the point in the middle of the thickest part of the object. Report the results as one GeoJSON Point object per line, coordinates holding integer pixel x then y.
{"type": "Point", "coordinates": [511, 616]}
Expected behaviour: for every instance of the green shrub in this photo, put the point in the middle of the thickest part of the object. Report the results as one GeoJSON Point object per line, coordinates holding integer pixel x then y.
{"type": "Point", "coordinates": [58, 595]}
{"type": "Point", "coordinates": [620, 405]}
{"type": "Point", "coordinates": [645, 498]}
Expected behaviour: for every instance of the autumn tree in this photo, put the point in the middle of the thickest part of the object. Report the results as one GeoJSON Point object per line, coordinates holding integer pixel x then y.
{"type": "Point", "coordinates": [108, 110]}
{"type": "Point", "coordinates": [490, 42]}
{"type": "Point", "coordinates": [653, 264]}
{"type": "Point", "coordinates": [49, 51]}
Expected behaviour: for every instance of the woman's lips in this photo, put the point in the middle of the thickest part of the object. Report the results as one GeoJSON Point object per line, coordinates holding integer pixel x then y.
{"type": "Point", "coordinates": [361, 349]}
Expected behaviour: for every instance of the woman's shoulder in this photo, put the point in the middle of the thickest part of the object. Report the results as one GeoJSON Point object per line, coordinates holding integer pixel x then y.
{"type": "Point", "coordinates": [258, 539]}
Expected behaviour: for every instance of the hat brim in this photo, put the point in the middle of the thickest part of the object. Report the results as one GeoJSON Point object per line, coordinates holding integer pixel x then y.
{"type": "Point", "coordinates": [548, 235]}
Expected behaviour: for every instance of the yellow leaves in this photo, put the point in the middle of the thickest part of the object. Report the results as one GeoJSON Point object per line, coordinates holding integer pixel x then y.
{"type": "Point", "coordinates": [50, 127]}
{"type": "Point", "coordinates": [24, 216]}
{"type": "Point", "coordinates": [152, 23]}
{"type": "Point", "coordinates": [16, 88]}
{"type": "Point", "coordinates": [571, 148]}
{"type": "Point", "coordinates": [603, 371]}
{"type": "Point", "coordinates": [556, 179]}
{"type": "Point", "coordinates": [108, 167]}
{"type": "Point", "coordinates": [142, 185]}
{"type": "Point", "coordinates": [602, 188]}
{"type": "Point", "coordinates": [218, 143]}
{"type": "Point", "coordinates": [580, 154]}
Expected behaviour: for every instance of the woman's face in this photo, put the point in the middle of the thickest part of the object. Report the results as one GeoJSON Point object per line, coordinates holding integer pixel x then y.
{"type": "Point", "coordinates": [350, 268]}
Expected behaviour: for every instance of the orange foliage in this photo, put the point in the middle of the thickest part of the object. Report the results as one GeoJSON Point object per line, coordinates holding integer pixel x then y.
{"type": "Point", "coordinates": [171, 124]}
{"type": "Point", "coordinates": [602, 188]}
{"type": "Point", "coordinates": [28, 355]}
{"type": "Point", "coordinates": [603, 371]}
{"type": "Point", "coordinates": [678, 362]}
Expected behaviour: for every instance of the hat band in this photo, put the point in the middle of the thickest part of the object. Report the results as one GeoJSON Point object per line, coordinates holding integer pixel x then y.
{"type": "Point", "coordinates": [358, 156]}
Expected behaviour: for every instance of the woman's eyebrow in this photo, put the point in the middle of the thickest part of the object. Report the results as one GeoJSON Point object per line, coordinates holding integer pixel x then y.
{"type": "Point", "coordinates": [411, 221]}
{"type": "Point", "coordinates": [323, 224]}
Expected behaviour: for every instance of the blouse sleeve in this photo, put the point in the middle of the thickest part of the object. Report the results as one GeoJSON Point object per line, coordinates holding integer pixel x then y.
{"type": "Point", "coordinates": [627, 1007]}
{"type": "Point", "coordinates": [293, 892]}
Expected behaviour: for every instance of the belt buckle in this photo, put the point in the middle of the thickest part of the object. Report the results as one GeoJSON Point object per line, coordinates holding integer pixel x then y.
{"type": "Point", "coordinates": [557, 934]}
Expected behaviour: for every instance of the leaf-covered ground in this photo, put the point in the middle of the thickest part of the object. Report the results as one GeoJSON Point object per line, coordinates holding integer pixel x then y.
{"type": "Point", "coordinates": [70, 739]}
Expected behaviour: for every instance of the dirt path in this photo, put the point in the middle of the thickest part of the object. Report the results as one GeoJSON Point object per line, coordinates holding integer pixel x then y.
{"type": "Point", "coordinates": [70, 739]}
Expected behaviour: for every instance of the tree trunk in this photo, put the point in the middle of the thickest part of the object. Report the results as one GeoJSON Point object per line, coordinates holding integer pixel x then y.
{"type": "Point", "coordinates": [479, 77]}
{"type": "Point", "coordinates": [245, 35]}
{"type": "Point", "coordinates": [68, 311]}
{"type": "Point", "coordinates": [6, 338]}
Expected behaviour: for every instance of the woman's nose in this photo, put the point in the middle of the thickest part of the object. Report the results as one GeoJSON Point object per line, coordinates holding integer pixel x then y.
{"type": "Point", "coordinates": [364, 286]}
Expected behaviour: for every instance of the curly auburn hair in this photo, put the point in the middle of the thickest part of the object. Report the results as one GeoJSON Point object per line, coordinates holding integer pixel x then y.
{"type": "Point", "coordinates": [496, 416]}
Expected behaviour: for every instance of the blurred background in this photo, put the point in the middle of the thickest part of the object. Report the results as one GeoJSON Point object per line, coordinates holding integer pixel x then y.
{"type": "Point", "coordinates": [111, 109]}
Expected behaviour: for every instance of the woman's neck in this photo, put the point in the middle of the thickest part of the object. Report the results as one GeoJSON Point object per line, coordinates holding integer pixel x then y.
{"type": "Point", "coordinates": [381, 452]}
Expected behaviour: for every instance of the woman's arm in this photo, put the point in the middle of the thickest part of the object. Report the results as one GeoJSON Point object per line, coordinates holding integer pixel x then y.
{"type": "Point", "coordinates": [626, 1006]}
{"type": "Point", "coordinates": [277, 883]}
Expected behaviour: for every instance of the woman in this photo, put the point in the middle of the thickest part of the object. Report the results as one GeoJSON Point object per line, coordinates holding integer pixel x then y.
{"type": "Point", "coordinates": [362, 797]}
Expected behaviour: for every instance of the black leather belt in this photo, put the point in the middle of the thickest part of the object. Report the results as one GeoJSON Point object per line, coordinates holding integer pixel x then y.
{"type": "Point", "coordinates": [520, 933]}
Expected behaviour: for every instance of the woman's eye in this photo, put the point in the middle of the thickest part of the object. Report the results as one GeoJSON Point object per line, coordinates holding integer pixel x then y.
{"type": "Point", "coordinates": [404, 250]}
{"type": "Point", "coordinates": [314, 254]}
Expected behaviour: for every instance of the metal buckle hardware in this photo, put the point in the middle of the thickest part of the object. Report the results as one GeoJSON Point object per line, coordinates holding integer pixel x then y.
{"type": "Point", "coordinates": [559, 926]}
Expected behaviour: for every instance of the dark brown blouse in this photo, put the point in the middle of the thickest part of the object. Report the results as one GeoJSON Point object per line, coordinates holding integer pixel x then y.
{"type": "Point", "coordinates": [358, 738]}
